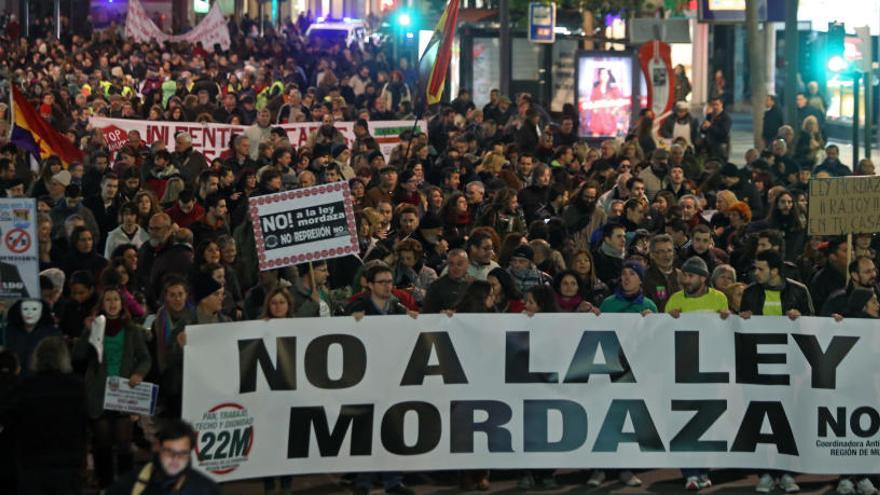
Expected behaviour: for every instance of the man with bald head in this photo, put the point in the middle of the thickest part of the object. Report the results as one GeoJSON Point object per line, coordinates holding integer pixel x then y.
{"type": "Point", "coordinates": [447, 290]}
{"type": "Point", "coordinates": [161, 256]}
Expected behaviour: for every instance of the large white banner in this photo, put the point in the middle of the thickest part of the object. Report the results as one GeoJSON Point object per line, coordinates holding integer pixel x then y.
{"type": "Point", "coordinates": [212, 30]}
{"type": "Point", "coordinates": [553, 391]}
{"type": "Point", "coordinates": [213, 139]}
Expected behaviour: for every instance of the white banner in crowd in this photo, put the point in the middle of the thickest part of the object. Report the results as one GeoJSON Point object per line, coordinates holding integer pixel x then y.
{"type": "Point", "coordinates": [213, 139]}
{"type": "Point", "coordinates": [570, 390]}
{"type": "Point", "coordinates": [19, 257]}
{"type": "Point", "coordinates": [212, 30]}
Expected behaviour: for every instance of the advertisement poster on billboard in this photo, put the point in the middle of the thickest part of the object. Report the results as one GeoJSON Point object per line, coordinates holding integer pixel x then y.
{"type": "Point", "coordinates": [605, 87]}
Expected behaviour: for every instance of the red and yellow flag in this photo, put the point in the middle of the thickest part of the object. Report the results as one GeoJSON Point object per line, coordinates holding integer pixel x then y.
{"type": "Point", "coordinates": [435, 61]}
{"type": "Point", "coordinates": [32, 133]}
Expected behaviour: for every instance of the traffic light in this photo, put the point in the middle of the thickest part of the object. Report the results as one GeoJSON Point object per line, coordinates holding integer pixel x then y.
{"type": "Point", "coordinates": [834, 47]}
{"type": "Point", "coordinates": [406, 23]}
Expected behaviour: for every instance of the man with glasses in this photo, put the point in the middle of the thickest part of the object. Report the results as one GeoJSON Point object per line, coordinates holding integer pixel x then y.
{"type": "Point", "coordinates": [379, 299]}
{"type": "Point", "coordinates": [481, 250]}
{"type": "Point", "coordinates": [170, 470]}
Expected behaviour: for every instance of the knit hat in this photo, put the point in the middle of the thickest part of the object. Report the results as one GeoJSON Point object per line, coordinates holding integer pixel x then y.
{"type": "Point", "coordinates": [63, 177]}
{"type": "Point", "coordinates": [430, 221]}
{"type": "Point", "coordinates": [695, 265]}
{"type": "Point", "coordinates": [205, 286]}
{"type": "Point", "coordinates": [636, 267]}
{"type": "Point", "coordinates": [337, 150]}
{"type": "Point", "coordinates": [730, 170]}
{"type": "Point", "coordinates": [523, 251]}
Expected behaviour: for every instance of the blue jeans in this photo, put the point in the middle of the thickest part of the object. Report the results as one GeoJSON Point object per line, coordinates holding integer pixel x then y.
{"type": "Point", "coordinates": [390, 479]}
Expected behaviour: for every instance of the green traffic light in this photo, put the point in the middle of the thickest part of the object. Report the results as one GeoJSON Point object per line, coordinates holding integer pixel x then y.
{"type": "Point", "coordinates": [837, 64]}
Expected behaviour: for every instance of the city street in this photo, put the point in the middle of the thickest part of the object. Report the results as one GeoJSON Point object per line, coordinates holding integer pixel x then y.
{"type": "Point", "coordinates": [661, 481]}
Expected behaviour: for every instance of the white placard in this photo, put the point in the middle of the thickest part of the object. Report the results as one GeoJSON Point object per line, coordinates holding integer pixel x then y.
{"type": "Point", "coordinates": [119, 396]}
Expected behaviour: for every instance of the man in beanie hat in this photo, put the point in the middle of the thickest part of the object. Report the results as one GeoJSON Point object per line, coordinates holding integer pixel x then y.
{"type": "Point", "coordinates": [733, 180]}
{"type": "Point", "coordinates": [208, 296]}
{"type": "Point", "coordinates": [696, 296]}
{"type": "Point", "coordinates": [629, 297]}
{"type": "Point", "coordinates": [430, 236]}
{"type": "Point", "coordinates": [523, 270]}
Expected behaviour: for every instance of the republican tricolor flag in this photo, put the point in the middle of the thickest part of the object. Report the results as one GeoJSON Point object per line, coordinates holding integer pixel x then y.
{"type": "Point", "coordinates": [32, 133]}
{"type": "Point", "coordinates": [435, 61]}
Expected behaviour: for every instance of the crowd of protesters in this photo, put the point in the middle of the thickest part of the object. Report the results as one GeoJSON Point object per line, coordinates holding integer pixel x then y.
{"type": "Point", "coordinates": [495, 209]}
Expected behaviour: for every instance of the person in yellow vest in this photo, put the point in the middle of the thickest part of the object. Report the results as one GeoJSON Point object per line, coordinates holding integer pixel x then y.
{"type": "Point", "coordinates": [696, 296]}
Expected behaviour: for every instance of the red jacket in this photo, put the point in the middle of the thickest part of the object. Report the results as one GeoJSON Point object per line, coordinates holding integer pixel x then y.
{"type": "Point", "coordinates": [182, 219]}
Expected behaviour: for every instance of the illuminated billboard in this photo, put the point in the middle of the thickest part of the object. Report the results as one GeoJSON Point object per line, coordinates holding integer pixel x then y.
{"type": "Point", "coordinates": [606, 83]}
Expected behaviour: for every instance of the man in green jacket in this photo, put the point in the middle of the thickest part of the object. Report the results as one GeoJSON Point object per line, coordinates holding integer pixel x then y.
{"type": "Point", "coordinates": [629, 296]}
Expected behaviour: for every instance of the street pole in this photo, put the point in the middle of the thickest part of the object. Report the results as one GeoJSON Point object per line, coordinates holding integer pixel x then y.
{"type": "Point", "coordinates": [504, 47]}
{"type": "Point", "coordinates": [57, 7]}
{"type": "Point", "coordinates": [791, 61]}
{"type": "Point", "coordinates": [855, 130]}
{"type": "Point", "coordinates": [869, 107]}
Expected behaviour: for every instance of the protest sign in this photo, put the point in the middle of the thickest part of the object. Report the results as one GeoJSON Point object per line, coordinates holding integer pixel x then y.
{"type": "Point", "coordinates": [303, 225]}
{"type": "Point", "coordinates": [19, 254]}
{"type": "Point", "coordinates": [119, 396]}
{"type": "Point", "coordinates": [210, 31]}
{"type": "Point", "coordinates": [844, 205]}
{"type": "Point", "coordinates": [489, 391]}
{"type": "Point", "coordinates": [213, 139]}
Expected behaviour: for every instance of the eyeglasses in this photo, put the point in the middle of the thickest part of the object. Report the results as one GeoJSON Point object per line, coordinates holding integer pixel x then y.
{"type": "Point", "coordinates": [176, 454]}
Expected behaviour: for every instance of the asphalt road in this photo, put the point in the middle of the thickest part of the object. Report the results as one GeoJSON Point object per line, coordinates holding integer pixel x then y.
{"type": "Point", "coordinates": [660, 481]}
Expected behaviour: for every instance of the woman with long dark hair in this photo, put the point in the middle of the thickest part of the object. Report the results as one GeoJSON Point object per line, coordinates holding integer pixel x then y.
{"type": "Point", "coordinates": [508, 298]}
{"type": "Point", "coordinates": [457, 219]}
{"type": "Point", "coordinates": [539, 299]}
{"type": "Point", "coordinates": [111, 345]}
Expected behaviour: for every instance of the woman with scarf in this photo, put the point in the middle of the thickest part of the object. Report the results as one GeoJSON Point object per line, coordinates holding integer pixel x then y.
{"type": "Point", "coordinates": [539, 299]}
{"type": "Point", "coordinates": [118, 349]}
{"type": "Point", "coordinates": [508, 298]}
{"type": "Point", "coordinates": [456, 219]}
{"type": "Point", "coordinates": [479, 297]}
{"type": "Point", "coordinates": [83, 255]}
{"type": "Point", "coordinates": [569, 297]}
{"type": "Point", "coordinates": [592, 289]}
{"type": "Point", "coordinates": [171, 319]}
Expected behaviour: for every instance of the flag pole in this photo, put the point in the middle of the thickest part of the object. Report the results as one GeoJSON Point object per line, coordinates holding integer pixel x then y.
{"type": "Point", "coordinates": [412, 133]}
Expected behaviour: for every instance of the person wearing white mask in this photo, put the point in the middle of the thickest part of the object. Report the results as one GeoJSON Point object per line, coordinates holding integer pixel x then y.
{"type": "Point", "coordinates": [27, 325]}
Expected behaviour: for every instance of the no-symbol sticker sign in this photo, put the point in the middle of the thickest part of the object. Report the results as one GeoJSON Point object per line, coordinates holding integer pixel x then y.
{"type": "Point", "coordinates": [17, 240]}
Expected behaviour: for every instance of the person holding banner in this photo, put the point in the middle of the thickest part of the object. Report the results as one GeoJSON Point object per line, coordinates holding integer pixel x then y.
{"type": "Point", "coordinates": [112, 345]}
{"type": "Point", "coordinates": [539, 299]}
{"type": "Point", "coordinates": [278, 304]}
{"type": "Point", "coordinates": [696, 296]}
{"type": "Point", "coordinates": [379, 300]}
